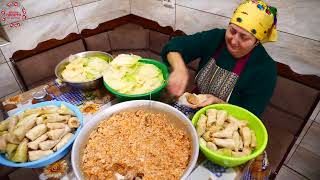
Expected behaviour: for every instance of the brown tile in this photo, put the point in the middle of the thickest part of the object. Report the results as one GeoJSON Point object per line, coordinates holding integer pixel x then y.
{"type": "Point", "coordinates": [8, 83]}
{"type": "Point", "coordinates": [46, 62]}
{"type": "Point", "coordinates": [293, 149]}
{"type": "Point", "coordinates": [274, 117]}
{"type": "Point", "coordinates": [98, 42]}
{"type": "Point", "coordinates": [157, 41]}
{"type": "Point", "coordinates": [310, 141]}
{"type": "Point", "coordinates": [23, 173]}
{"type": "Point", "coordinates": [129, 36]}
{"type": "Point", "coordinates": [306, 163]}
{"type": "Point", "coordinates": [304, 131]}
{"type": "Point", "coordinates": [286, 173]}
{"type": "Point", "coordinates": [155, 56]}
{"type": "Point", "coordinates": [293, 97]}
{"type": "Point", "coordinates": [278, 144]}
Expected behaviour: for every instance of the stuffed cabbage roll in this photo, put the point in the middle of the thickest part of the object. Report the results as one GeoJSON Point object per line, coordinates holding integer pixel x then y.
{"type": "Point", "coordinates": [36, 132]}
{"type": "Point", "coordinates": [63, 141]}
{"type": "Point", "coordinates": [65, 110]}
{"type": "Point", "coordinates": [35, 155]}
{"type": "Point", "coordinates": [52, 126]}
{"type": "Point", "coordinates": [3, 133]}
{"type": "Point", "coordinates": [27, 119]}
{"type": "Point", "coordinates": [41, 120]}
{"type": "Point", "coordinates": [12, 124]}
{"type": "Point", "coordinates": [201, 125]}
{"type": "Point", "coordinates": [4, 124]}
{"type": "Point", "coordinates": [11, 138]}
{"type": "Point", "coordinates": [21, 130]}
{"type": "Point", "coordinates": [49, 144]}
{"type": "Point", "coordinates": [73, 122]}
{"type": "Point", "coordinates": [221, 117]}
{"type": "Point", "coordinates": [56, 134]}
{"type": "Point", "coordinates": [212, 116]}
{"type": "Point", "coordinates": [56, 118]}
{"type": "Point", "coordinates": [50, 109]}
{"type": "Point", "coordinates": [21, 154]}
{"type": "Point", "coordinates": [3, 143]}
{"type": "Point", "coordinates": [35, 144]}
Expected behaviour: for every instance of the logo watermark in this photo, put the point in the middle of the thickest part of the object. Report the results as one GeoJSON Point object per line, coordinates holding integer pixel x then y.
{"type": "Point", "coordinates": [12, 13]}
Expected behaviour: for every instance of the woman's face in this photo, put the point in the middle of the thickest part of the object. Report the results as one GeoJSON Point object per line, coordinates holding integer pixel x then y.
{"type": "Point", "coordinates": [239, 41]}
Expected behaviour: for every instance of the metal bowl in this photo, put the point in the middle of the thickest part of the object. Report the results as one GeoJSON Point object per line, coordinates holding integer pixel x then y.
{"type": "Point", "coordinates": [89, 85]}
{"type": "Point", "coordinates": [178, 119]}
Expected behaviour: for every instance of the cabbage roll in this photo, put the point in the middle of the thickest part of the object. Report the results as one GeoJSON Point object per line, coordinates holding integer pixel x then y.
{"type": "Point", "coordinates": [56, 118]}
{"type": "Point", "coordinates": [50, 109]}
{"type": "Point", "coordinates": [11, 138]}
{"type": "Point", "coordinates": [56, 134]}
{"type": "Point", "coordinates": [21, 154]}
{"type": "Point", "coordinates": [246, 136]}
{"type": "Point", "coordinates": [212, 116]}
{"type": "Point", "coordinates": [63, 141]}
{"type": "Point", "coordinates": [52, 126]}
{"type": "Point", "coordinates": [27, 119]}
{"type": "Point", "coordinates": [227, 132]}
{"type": "Point", "coordinates": [65, 110]}
{"type": "Point", "coordinates": [3, 133]}
{"type": "Point", "coordinates": [10, 150]}
{"type": "Point", "coordinates": [221, 117]}
{"type": "Point", "coordinates": [212, 146]}
{"type": "Point", "coordinates": [4, 124]}
{"type": "Point", "coordinates": [73, 122]}
{"type": "Point", "coordinates": [35, 144]}
{"type": "Point", "coordinates": [36, 132]}
{"type": "Point", "coordinates": [21, 131]}
{"type": "Point", "coordinates": [3, 143]}
{"type": "Point", "coordinates": [12, 124]}
{"type": "Point", "coordinates": [253, 139]}
{"type": "Point", "coordinates": [201, 125]}
{"type": "Point", "coordinates": [226, 143]}
{"type": "Point", "coordinates": [36, 155]}
{"type": "Point", "coordinates": [28, 112]}
{"type": "Point", "coordinates": [40, 120]}
{"type": "Point", "coordinates": [49, 144]}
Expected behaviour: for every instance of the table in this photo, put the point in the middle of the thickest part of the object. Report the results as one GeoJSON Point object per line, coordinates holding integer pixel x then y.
{"type": "Point", "coordinates": [92, 102]}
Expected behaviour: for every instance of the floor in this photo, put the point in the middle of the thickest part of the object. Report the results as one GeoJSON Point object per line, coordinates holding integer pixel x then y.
{"type": "Point", "coordinates": [303, 160]}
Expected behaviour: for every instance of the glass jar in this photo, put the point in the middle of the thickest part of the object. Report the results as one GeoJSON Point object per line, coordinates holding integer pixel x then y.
{"type": "Point", "coordinates": [40, 96]}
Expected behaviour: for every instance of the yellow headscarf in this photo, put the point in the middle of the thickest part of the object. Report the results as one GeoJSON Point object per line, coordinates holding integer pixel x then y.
{"type": "Point", "coordinates": [258, 18]}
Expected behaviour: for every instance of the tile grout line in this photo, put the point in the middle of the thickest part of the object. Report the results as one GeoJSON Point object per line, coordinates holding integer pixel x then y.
{"type": "Point", "coordinates": [75, 18]}
{"type": "Point", "coordinates": [296, 172]}
{"type": "Point", "coordinates": [305, 132]}
{"type": "Point", "coordinates": [230, 18]}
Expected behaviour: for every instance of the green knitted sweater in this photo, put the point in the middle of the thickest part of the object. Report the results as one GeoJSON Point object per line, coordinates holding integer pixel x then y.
{"type": "Point", "coordinates": [256, 83]}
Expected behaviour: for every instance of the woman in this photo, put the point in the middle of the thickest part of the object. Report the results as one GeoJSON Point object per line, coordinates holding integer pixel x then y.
{"type": "Point", "coordinates": [234, 66]}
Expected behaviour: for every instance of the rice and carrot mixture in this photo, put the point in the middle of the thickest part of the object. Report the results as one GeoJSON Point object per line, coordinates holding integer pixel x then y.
{"type": "Point", "coordinates": [139, 144]}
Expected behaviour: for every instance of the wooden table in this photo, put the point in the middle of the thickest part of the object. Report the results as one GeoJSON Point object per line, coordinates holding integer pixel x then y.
{"type": "Point", "coordinates": [101, 99]}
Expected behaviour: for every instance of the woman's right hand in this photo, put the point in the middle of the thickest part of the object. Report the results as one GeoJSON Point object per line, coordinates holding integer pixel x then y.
{"type": "Point", "coordinates": [178, 81]}
{"type": "Point", "coordinates": [179, 76]}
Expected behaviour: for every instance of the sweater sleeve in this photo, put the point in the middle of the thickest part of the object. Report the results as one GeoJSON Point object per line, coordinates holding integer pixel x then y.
{"type": "Point", "coordinates": [192, 46]}
{"type": "Point", "coordinates": [256, 97]}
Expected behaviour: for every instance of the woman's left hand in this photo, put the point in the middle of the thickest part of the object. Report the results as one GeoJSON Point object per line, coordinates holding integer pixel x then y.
{"type": "Point", "coordinates": [211, 99]}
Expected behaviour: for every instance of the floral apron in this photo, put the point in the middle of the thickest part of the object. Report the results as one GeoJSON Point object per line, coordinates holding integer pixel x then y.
{"type": "Point", "coordinates": [212, 79]}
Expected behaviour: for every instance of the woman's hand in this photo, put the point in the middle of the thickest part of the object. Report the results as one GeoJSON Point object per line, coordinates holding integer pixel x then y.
{"type": "Point", "coordinates": [178, 81]}
{"type": "Point", "coordinates": [211, 99]}
{"type": "Point", "coordinates": [179, 76]}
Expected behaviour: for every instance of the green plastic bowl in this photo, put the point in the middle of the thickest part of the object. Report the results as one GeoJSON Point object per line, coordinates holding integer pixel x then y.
{"type": "Point", "coordinates": [254, 124]}
{"type": "Point", "coordinates": [154, 95]}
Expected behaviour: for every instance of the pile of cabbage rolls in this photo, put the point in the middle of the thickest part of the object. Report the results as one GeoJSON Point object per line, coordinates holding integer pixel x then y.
{"type": "Point", "coordinates": [37, 133]}
{"type": "Point", "coordinates": [225, 134]}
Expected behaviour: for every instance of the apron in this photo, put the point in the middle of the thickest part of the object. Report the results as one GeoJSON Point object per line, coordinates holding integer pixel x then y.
{"type": "Point", "coordinates": [212, 79]}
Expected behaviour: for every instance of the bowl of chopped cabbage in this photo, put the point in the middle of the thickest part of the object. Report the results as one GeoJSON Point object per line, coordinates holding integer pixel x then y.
{"type": "Point", "coordinates": [131, 77]}
{"type": "Point", "coordinates": [83, 70]}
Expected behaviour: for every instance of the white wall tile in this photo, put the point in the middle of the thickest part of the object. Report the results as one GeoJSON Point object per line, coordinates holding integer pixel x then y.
{"type": "Point", "coordinates": [220, 7]}
{"type": "Point", "coordinates": [32, 31]}
{"type": "Point", "coordinates": [299, 17]}
{"type": "Point", "coordinates": [191, 21]}
{"type": "Point", "coordinates": [81, 2]}
{"type": "Point", "coordinates": [89, 16]}
{"type": "Point", "coordinates": [8, 83]}
{"type": "Point", "coordinates": [301, 54]}
{"type": "Point", "coordinates": [153, 10]}
{"type": "Point", "coordinates": [37, 8]}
